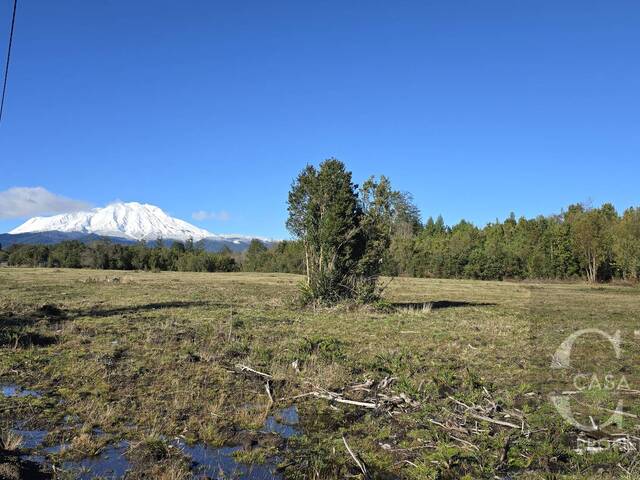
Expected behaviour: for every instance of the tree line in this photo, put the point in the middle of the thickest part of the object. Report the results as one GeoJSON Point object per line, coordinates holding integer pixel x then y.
{"type": "Point", "coordinates": [595, 244]}
{"type": "Point", "coordinates": [328, 213]}
{"type": "Point", "coordinates": [581, 242]}
{"type": "Point", "coordinates": [179, 256]}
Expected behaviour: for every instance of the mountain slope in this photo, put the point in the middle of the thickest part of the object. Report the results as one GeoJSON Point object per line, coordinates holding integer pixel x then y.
{"type": "Point", "coordinates": [51, 238]}
{"type": "Point", "coordinates": [121, 223]}
{"type": "Point", "coordinates": [211, 244]}
{"type": "Point", "coordinates": [134, 221]}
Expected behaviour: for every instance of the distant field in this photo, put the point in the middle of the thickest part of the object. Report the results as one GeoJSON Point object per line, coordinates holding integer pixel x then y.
{"type": "Point", "coordinates": [145, 372]}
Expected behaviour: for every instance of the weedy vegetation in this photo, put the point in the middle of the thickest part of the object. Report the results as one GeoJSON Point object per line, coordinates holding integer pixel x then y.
{"type": "Point", "coordinates": [441, 379]}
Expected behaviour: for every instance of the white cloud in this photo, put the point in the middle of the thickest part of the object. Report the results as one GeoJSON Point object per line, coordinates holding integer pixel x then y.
{"type": "Point", "coordinates": [204, 215]}
{"type": "Point", "coordinates": [19, 202]}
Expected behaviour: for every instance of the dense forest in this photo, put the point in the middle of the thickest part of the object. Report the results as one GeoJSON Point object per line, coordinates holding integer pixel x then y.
{"type": "Point", "coordinates": [596, 244]}
{"type": "Point", "coordinates": [179, 256]}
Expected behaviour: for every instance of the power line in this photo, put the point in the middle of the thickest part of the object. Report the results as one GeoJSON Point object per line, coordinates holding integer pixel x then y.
{"type": "Point", "coordinates": [6, 67]}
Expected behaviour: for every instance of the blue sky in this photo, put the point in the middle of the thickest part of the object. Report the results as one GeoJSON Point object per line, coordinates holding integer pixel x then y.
{"type": "Point", "coordinates": [477, 108]}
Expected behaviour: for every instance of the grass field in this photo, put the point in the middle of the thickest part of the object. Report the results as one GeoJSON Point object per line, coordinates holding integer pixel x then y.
{"type": "Point", "coordinates": [443, 379]}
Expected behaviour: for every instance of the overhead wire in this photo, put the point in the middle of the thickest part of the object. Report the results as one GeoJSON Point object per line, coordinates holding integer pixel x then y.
{"type": "Point", "coordinates": [6, 66]}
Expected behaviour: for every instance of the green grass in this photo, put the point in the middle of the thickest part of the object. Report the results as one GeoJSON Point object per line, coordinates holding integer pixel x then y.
{"type": "Point", "coordinates": [146, 356]}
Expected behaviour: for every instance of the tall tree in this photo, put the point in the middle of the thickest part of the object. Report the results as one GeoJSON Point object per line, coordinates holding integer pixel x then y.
{"type": "Point", "coordinates": [381, 208]}
{"type": "Point", "coordinates": [325, 214]}
{"type": "Point", "coordinates": [345, 233]}
{"type": "Point", "coordinates": [255, 256]}
{"type": "Point", "coordinates": [626, 245]}
{"type": "Point", "coordinates": [591, 234]}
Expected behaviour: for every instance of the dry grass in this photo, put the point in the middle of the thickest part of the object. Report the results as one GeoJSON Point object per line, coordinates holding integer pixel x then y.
{"type": "Point", "coordinates": [156, 353]}
{"type": "Point", "coordinates": [10, 440]}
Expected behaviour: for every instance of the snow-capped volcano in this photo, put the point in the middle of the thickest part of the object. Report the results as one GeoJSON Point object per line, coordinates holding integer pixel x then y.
{"type": "Point", "coordinates": [133, 220]}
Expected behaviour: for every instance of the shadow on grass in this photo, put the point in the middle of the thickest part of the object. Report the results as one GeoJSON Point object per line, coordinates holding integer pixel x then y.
{"type": "Point", "coordinates": [107, 312]}
{"type": "Point", "coordinates": [17, 330]}
{"type": "Point", "coordinates": [47, 313]}
{"type": "Point", "coordinates": [26, 339]}
{"type": "Point", "coordinates": [438, 304]}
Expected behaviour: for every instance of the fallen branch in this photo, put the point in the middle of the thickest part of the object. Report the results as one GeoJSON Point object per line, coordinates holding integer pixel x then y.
{"type": "Point", "coordinates": [360, 463]}
{"type": "Point", "coordinates": [485, 418]}
{"type": "Point", "coordinates": [374, 398]}
{"type": "Point", "coordinates": [456, 428]}
{"type": "Point", "coordinates": [475, 447]}
{"type": "Point", "coordinates": [267, 387]}
{"type": "Point", "coordinates": [244, 368]}
{"type": "Point", "coordinates": [343, 400]}
{"type": "Point", "coordinates": [459, 402]}
{"type": "Point", "coordinates": [497, 422]}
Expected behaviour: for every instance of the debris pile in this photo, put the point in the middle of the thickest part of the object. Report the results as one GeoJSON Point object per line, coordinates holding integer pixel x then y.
{"type": "Point", "coordinates": [368, 394]}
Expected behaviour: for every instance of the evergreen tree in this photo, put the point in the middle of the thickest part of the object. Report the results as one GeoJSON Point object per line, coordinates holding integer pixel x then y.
{"type": "Point", "coordinates": [256, 256]}
{"type": "Point", "coordinates": [344, 235]}
{"type": "Point", "coordinates": [325, 214]}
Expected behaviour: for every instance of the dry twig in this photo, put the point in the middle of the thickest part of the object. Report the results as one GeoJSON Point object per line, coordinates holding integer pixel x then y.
{"type": "Point", "coordinates": [358, 461]}
{"type": "Point", "coordinates": [244, 368]}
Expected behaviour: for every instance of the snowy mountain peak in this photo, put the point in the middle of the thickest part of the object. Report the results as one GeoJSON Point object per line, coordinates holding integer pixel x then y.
{"type": "Point", "coordinates": [132, 220]}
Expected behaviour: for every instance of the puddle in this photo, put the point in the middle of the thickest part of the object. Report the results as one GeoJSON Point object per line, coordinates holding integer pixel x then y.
{"type": "Point", "coordinates": [209, 462]}
{"type": "Point", "coordinates": [13, 390]}
{"type": "Point", "coordinates": [111, 463]}
{"type": "Point", "coordinates": [283, 422]}
{"type": "Point", "coordinates": [56, 448]}
{"type": "Point", "coordinates": [41, 458]}
{"type": "Point", "coordinates": [31, 438]}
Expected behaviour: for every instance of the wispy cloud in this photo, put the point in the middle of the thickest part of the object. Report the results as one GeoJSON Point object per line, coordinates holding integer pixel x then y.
{"type": "Point", "coordinates": [19, 202]}
{"type": "Point", "coordinates": [221, 216]}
